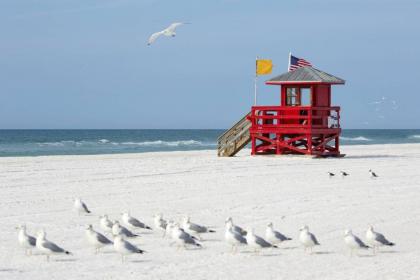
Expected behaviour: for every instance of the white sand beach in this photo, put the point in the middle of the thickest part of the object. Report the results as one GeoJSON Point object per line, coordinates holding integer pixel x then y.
{"type": "Point", "coordinates": [290, 191]}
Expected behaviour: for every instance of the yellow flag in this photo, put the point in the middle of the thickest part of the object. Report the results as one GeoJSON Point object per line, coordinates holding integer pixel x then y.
{"type": "Point", "coordinates": [264, 66]}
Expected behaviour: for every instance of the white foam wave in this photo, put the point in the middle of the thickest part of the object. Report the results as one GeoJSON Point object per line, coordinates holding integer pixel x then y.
{"type": "Point", "coordinates": [157, 143]}
{"type": "Point", "coordinates": [166, 143]}
{"type": "Point", "coordinates": [414, 136]}
{"type": "Point", "coordinates": [359, 138]}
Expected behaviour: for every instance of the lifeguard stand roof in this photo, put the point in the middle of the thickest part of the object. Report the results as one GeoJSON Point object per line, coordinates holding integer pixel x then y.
{"type": "Point", "coordinates": [306, 74]}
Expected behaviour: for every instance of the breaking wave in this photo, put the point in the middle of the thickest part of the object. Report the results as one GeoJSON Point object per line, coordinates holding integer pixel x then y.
{"type": "Point", "coordinates": [417, 136]}
{"type": "Point", "coordinates": [359, 138]}
{"type": "Point", "coordinates": [156, 143]}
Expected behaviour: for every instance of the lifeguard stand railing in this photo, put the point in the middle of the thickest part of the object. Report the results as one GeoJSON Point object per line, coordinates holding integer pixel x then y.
{"type": "Point", "coordinates": [301, 129]}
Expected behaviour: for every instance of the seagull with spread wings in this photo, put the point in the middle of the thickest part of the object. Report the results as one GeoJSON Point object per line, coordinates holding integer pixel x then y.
{"type": "Point", "coordinates": [168, 32]}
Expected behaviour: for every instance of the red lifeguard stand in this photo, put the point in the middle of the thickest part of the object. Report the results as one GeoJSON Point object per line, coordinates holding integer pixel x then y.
{"type": "Point", "coordinates": [304, 123]}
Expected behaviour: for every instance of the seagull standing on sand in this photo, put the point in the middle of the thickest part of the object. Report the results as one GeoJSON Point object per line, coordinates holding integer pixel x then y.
{"type": "Point", "coordinates": [118, 229]}
{"type": "Point", "coordinates": [182, 238]}
{"type": "Point", "coordinates": [105, 223]}
{"type": "Point", "coordinates": [169, 228]}
{"type": "Point", "coordinates": [256, 242]}
{"type": "Point", "coordinates": [125, 248]}
{"type": "Point", "coordinates": [192, 228]}
{"type": "Point", "coordinates": [307, 239]}
{"type": "Point", "coordinates": [234, 238]}
{"type": "Point", "coordinates": [376, 239]}
{"type": "Point", "coordinates": [48, 247]}
{"type": "Point", "coordinates": [344, 174]}
{"type": "Point", "coordinates": [168, 32]}
{"type": "Point", "coordinates": [330, 174]}
{"type": "Point", "coordinates": [273, 236]}
{"type": "Point", "coordinates": [353, 242]}
{"type": "Point", "coordinates": [373, 174]}
{"type": "Point", "coordinates": [235, 228]}
{"type": "Point", "coordinates": [160, 223]}
{"type": "Point", "coordinates": [132, 222]}
{"type": "Point", "coordinates": [80, 206]}
{"type": "Point", "coordinates": [26, 241]}
{"type": "Point", "coordinates": [96, 239]}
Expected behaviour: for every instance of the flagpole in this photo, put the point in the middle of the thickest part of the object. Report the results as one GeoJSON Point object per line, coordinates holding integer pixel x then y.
{"type": "Point", "coordinates": [290, 57]}
{"type": "Point", "coordinates": [255, 82]}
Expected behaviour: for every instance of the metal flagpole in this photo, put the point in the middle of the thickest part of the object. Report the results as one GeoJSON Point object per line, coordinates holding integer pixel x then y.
{"type": "Point", "coordinates": [290, 57]}
{"type": "Point", "coordinates": [255, 82]}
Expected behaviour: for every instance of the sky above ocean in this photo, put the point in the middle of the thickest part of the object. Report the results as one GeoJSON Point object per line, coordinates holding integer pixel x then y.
{"type": "Point", "coordinates": [85, 63]}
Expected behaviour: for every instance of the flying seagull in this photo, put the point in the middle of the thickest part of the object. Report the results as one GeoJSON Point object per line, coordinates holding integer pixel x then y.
{"type": "Point", "coordinates": [168, 32]}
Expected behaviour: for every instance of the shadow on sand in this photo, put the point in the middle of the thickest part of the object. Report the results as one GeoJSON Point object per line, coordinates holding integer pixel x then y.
{"type": "Point", "coordinates": [372, 156]}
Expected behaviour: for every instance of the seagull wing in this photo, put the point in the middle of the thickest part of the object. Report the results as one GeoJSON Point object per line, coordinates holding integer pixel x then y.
{"type": "Point", "coordinates": [85, 207]}
{"type": "Point", "coordinates": [198, 228]}
{"type": "Point", "coordinates": [153, 37]}
{"type": "Point", "coordinates": [103, 239]}
{"type": "Point", "coordinates": [313, 238]}
{"type": "Point", "coordinates": [281, 236]}
{"type": "Point", "coordinates": [53, 247]}
{"type": "Point", "coordinates": [360, 242]}
{"type": "Point", "coordinates": [264, 244]}
{"type": "Point", "coordinates": [130, 247]}
{"type": "Point", "coordinates": [32, 240]}
{"type": "Point", "coordinates": [173, 26]}
{"type": "Point", "coordinates": [381, 238]}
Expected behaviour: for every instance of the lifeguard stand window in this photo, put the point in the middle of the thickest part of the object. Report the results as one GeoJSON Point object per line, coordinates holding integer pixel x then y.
{"type": "Point", "coordinates": [298, 96]}
{"type": "Point", "coordinates": [292, 97]}
{"type": "Point", "coordinates": [305, 96]}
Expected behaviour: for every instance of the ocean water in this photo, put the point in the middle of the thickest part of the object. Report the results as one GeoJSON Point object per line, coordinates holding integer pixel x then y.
{"type": "Point", "coordinates": [79, 142]}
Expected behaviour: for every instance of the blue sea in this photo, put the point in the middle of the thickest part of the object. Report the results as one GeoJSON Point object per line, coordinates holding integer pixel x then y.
{"type": "Point", "coordinates": [83, 142]}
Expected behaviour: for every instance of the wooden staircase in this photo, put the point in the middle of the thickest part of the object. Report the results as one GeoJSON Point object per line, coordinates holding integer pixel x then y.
{"type": "Point", "coordinates": [234, 139]}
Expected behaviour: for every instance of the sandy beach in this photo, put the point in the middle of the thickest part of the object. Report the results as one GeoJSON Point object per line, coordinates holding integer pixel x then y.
{"type": "Point", "coordinates": [290, 191]}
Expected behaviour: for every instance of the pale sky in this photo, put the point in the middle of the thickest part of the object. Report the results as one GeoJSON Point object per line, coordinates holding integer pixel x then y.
{"type": "Point", "coordinates": [85, 63]}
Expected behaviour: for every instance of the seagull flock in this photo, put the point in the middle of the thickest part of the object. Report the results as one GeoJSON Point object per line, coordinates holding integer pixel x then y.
{"type": "Point", "coordinates": [183, 234]}
{"type": "Point", "coordinates": [344, 174]}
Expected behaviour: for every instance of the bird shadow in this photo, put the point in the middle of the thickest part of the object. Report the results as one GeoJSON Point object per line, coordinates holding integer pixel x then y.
{"type": "Point", "coordinates": [10, 270]}
{"type": "Point", "coordinates": [210, 240]}
{"type": "Point", "coordinates": [373, 156]}
{"type": "Point", "coordinates": [140, 261]}
{"type": "Point", "coordinates": [366, 256]}
{"type": "Point", "coordinates": [388, 252]}
{"type": "Point", "coordinates": [288, 248]}
{"type": "Point", "coordinates": [65, 260]}
{"type": "Point", "coordinates": [322, 253]}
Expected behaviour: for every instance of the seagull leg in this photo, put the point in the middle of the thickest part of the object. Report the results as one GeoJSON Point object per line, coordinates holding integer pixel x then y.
{"type": "Point", "coordinates": [48, 258]}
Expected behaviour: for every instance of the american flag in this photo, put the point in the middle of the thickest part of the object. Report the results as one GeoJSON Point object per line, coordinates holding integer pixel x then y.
{"type": "Point", "coordinates": [296, 62]}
